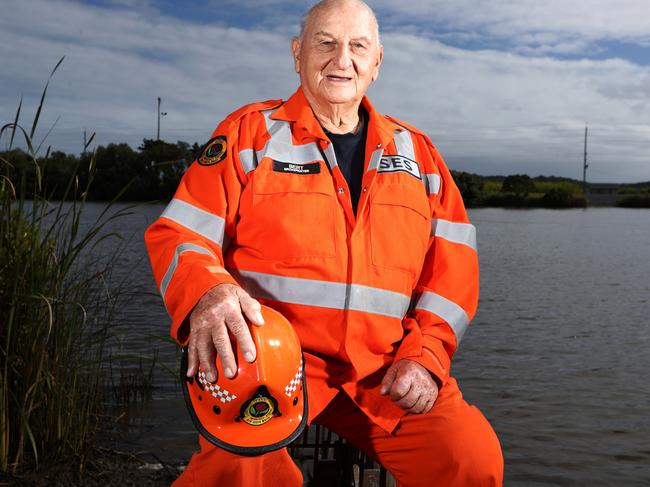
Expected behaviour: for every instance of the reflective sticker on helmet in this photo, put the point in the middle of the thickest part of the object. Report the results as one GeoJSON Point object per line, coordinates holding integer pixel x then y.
{"type": "Point", "coordinates": [222, 394]}
{"type": "Point", "coordinates": [294, 383]}
{"type": "Point", "coordinates": [259, 409]}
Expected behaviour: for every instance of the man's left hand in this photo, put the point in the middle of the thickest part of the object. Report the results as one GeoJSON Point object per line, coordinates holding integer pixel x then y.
{"type": "Point", "coordinates": [410, 386]}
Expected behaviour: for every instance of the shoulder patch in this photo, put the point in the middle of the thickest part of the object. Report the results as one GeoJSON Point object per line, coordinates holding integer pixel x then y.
{"type": "Point", "coordinates": [214, 151]}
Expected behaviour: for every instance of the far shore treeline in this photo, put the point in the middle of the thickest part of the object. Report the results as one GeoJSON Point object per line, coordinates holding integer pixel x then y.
{"type": "Point", "coordinates": [153, 170]}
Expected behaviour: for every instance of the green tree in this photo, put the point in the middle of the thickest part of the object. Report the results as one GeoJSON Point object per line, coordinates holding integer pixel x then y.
{"type": "Point", "coordinates": [470, 187]}
{"type": "Point", "coordinates": [153, 171]}
{"type": "Point", "coordinates": [117, 167]}
{"type": "Point", "coordinates": [165, 164]}
{"type": "Point", "coordinates": [58, 168]}
{"type": "Point", "coordinates": [519, 184]}
{"type": "Point", "coordinates": [558, 198]}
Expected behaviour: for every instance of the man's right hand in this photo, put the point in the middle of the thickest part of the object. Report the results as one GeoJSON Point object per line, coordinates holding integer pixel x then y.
{"type": "Point", "coordinates": [221, 309]}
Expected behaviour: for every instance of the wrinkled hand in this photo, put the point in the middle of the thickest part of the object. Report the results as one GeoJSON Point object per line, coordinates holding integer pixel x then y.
{"type": "Point", "coordinates": [410, 386]}
{"type": "Point", "coordinates": [220, 309]}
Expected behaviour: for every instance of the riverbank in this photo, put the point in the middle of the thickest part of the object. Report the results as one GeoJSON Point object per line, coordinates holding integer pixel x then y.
{"type": "Point", "coordinates": [104, 468]}
{"type": "Point", "coordinates": [522, 191]}
{"type": "Point", "coordinates": [152, 172]}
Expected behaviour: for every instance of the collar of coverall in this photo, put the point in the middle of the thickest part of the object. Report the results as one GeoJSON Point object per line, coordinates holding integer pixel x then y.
{"type": "Point", "coordinates": [297, 109]}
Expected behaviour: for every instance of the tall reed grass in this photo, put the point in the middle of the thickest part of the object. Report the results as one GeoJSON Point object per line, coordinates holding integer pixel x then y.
{"type": "Point", "coordinates": [55, 309]}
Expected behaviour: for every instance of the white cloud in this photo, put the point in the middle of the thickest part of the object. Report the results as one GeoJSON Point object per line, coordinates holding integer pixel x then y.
{"type": "Point", "coordinates": [118, 62]}
{"type": "Point", "coordinates": [488, 111]}
{"type": "Point", "coordinates": [524, 114]}
{"type": "Point", "coordinates": [531, 23]}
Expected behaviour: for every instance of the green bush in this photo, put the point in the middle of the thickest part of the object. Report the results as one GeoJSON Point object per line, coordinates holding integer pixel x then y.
{"type": "Point", "coordinates": [508, 200]}
{"type": "Point", "coordinates": [558, 198]}
{"type": "Point", "coordinates": [519, 184]}
{"type": "Point", "coordinates": [636, 201]}
{"type": "Point", "coordinates": [568, 186]}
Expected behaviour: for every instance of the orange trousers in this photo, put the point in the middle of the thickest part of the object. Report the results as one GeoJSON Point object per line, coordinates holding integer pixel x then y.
{"type": "Point", "coordinates": [451, 445]}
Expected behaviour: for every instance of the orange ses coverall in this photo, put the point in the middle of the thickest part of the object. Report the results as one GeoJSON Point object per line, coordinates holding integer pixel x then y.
{"type": "Point", "coordinates": [269, 209]}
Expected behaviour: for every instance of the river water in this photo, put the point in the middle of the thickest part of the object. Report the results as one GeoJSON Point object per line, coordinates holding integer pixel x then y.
{"type": "Point", "coordinates": [557, 357]}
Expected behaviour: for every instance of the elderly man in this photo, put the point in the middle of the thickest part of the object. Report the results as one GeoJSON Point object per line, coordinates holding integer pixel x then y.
{"type": "Point", "coordinates": [348, 223]}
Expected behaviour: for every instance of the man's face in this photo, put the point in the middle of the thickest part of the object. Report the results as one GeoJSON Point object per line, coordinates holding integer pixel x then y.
{"type": "Point", "coordinates": [339, 55]}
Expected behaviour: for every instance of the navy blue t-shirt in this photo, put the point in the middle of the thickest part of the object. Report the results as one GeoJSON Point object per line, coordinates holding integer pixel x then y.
{"type": "Point", "coordinates": [350, 151]}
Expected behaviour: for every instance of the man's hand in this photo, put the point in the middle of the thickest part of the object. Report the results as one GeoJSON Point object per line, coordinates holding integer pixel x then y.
{"type": "Point", "coordinates": [220, 309]}
{"type": "Point", "coordinates": [410, 386]}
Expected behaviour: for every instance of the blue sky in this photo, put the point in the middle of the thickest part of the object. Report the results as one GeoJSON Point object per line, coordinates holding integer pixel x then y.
{"type": "Point", "coordinates": [501, 87]}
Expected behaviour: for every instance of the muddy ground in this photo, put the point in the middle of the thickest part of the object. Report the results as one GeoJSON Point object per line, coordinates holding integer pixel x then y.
{"type": "Point", "coordinates": [106, 468]}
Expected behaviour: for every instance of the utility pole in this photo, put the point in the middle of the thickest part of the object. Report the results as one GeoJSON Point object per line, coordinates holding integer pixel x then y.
{"type": "Point", "coordinates": [160, 114]}
{"type": "Point", "coordinates": [585, 166]}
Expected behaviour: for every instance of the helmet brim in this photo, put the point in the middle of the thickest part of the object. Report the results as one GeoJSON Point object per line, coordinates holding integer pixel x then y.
{"type": "Point", "coordinates": [229, 436]}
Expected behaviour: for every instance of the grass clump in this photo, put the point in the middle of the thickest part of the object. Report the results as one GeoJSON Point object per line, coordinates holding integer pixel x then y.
{"type": "Point", "coordinates": [55, 310]}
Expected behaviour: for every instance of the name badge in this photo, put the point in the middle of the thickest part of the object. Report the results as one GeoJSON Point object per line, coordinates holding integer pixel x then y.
{"type": "Point", "coordinates": [311, 168]}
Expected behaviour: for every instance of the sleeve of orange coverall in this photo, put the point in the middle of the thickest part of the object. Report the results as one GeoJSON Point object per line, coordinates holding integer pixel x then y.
{"type": "Point", "coordinates": [186, 244]}
{"type": "Point", "coordinates": [446, 296]}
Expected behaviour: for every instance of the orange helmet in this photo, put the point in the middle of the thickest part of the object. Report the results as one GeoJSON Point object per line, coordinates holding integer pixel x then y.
{"type": "Point", "coordinates": [264, 407]}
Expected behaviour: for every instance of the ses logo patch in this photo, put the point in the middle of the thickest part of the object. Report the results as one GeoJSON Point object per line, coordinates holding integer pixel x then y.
{"type": "Point", "coordinates": [214, 151]}
{"type": "Point", "coordinates": [259, 409]}
{"type": "Point", "coordinates": [399, 164]}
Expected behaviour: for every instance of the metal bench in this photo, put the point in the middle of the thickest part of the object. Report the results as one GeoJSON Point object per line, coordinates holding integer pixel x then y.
{"type": "Point", "coordinates": [327, 460]}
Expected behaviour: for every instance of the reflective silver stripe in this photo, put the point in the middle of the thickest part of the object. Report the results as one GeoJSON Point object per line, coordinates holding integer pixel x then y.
{"type": "Point", "coordinates": [460, 233]}
{"type": "Point", "coordinates": [296, 154]}
{"type": "Point", "coordinates": [185, 247]}
{"type": "Point", "coordinates": [447, 310]}
{"type": "Point", "coordinates": [432, 182]}
{"type": "Point", "coordinates": [325, 294]}
{"type": "Point", "coordinates": [404, 147]}
{"type": "Point", "coordinates": [378, 301]}
{"type": "Point", "coordinates": [274, 127]}
{"type": "Point", "coordinates": [404, 144]}
{"type": "Point", "coordinates": [375, 157]}
{"type": "Point", "coordinates": [330, 155]}
{"type": "Point", "coordinates": [280, 146]}
{"type": "Point", "coordinates": [199, 221]}
{"type": "Point", "coordinates": [248, 159]}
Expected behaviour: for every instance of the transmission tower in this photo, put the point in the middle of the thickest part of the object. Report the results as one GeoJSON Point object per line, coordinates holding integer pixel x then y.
{"type": "Point", "coordinates": [585, 166]}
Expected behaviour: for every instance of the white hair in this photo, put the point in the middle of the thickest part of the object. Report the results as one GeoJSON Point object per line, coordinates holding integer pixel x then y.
{"type": "Point", "coordinates": [324, 3]}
